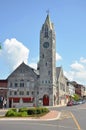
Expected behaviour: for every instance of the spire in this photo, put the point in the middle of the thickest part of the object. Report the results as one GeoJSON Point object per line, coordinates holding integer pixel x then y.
{"type": "Point", "coordinates": [47, 21]}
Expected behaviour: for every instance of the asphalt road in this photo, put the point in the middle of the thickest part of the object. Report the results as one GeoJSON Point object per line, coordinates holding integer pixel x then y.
{"type": "Point", "coordinates": [37, 125]}
{"type": "Point", "coordinates": [72, 118]}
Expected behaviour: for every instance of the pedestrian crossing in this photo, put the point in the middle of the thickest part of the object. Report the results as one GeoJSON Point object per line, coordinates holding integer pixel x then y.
{"type": "Point", "coordinates": [65, 115]}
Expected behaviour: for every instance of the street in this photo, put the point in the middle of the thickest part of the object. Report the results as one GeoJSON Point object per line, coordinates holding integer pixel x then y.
{"type": "Point", "coordinates": [71, 118]}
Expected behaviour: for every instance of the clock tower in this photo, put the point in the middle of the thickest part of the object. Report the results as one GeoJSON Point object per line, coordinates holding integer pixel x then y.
{"type": "Point", "coordinates": [47, 63]}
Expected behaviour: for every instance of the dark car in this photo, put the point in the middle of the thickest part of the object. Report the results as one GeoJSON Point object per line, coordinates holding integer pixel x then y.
{"type": "Point", "coordinates": [70, 103]}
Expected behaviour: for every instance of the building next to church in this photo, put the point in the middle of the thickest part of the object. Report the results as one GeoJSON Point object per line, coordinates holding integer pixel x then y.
{"type": "Point", "coordinates": [30, 87]}
{"type": "Point", "coordinates": [3, 88]}
{"type": "Point", "coordinates": [3, 92]}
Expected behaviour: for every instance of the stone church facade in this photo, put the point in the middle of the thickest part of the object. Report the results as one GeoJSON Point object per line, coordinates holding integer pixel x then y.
{"type": "Point", "coordinates": [30, 87]}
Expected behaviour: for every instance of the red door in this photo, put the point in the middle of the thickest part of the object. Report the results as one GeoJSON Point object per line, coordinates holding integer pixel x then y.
{"type": "Point", "coordinates": [45, 100]}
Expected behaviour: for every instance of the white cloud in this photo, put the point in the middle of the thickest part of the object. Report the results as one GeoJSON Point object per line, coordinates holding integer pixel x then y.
{"type": "Point", "coordinates": [78, 71]}
{"type": "Point", "coordinates": [14, 53]}
{"type": "Point", "coordinates": [58, 57]}
{"type": "Point", "coordinates": [33, 65]}
{"type": "Point", "coordinates": [82, 60]}
{"type": "Point", "coordinates": [77, 66]}
{"type": "Point", "coordinates": [69, 75]}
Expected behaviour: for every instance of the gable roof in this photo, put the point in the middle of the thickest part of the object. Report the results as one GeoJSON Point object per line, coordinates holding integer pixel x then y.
{"type": "Point", "coordinates": [23, 67]}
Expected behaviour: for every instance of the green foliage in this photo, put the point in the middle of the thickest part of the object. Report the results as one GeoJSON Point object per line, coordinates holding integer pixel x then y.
{"type": "Point", "coordinates": [76, 97]}
{"type": "Point", "coordinates": [14, 109]}
{"type": "Point", "coordinates": [37, 111]}
{"type": "Point", "coordinates": [11, 113]}
{"type": "Point", "coordinates": [22, 114]}
{"type": "Point", "coordinates": [23, 109]}
{"type": "Point", "coordinates": [0, 46]}
{"type": "Point", "coordinates": [25, 112]}
{"type": "Point", "coordinates": [31, 111]}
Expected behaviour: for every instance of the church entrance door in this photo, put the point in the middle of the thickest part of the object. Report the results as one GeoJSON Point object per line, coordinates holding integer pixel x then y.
{"type": "Point", "coordinates": [45, 100]}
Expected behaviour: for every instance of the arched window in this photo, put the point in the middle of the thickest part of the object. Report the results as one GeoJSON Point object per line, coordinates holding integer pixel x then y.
{"type": "Point", "coordinates": [46, 31]}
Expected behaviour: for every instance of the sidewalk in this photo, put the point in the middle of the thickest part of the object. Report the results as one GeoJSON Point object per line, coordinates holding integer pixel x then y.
{"type": "Point", "coordinates": [52, 115]}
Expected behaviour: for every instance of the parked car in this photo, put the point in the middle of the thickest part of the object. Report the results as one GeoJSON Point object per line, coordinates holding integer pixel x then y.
{"type": "Point", "coordinates": [81, 101]}
{"type": "Point", "coordinates": [75, 103]}
{"type": "Point", "coordinates": [70, 103]}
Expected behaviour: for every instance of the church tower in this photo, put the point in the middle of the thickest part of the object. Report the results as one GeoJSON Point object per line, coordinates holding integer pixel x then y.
{"type": "Point", "coordinates": [47, 63]}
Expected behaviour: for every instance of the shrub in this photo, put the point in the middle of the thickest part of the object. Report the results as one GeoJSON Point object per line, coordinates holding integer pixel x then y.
{"type": "Point", "coordinates": [31, 111]}
{"type": "Point", "coordinates": [45, 110]}
{"type": "Point", "coordinates": [39, 110]}
{"type": "Point", "coordinates": [23, 109]}
{"type": "Point", "coordinates": [24, 112]}
{"type": "Point", "coordinates": [14, 109]}
{"type": "Point", "coordinates": [11, 113]}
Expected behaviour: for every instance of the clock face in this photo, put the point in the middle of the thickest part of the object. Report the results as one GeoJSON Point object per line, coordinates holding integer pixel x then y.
{"type": "Point", "coordinates": [46, 44]}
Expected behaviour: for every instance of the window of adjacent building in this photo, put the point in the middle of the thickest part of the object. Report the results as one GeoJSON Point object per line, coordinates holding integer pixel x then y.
{"type": "Point", "coordinates": [16, 84]}
{"type": "Point", "coordinates": [42, 81]}
{"type": "Point", "coordinates": [61, 86]}
{"type": "Point", "coordinates": [21, 71]}
{"type": "Point", "coordinates": [64, 88]}
{"type": "Point", "coordinates": [42, 55]}
{"type": "Point", "coordinates": [10, 92]}
{"type": "Point", "coordinates": [46, 81]}
{"type": "Point", "coordinates": [40, 88]}
{"type": "Point", "coordinates": [32, 92]}
{"type": "Point", "coordinates": [21, 84]}
{"type": "Point", "coordinates": [21, 92]}
{"type": "Point", "coordinates": [15, 93]}
{"type": "Point", "coordinates": [37, 92]}
{"type": "Point", "coordinates": [27, 92]}
{"type": "Point", "coordinates": [48, 72]}
{"type": "Point", "coordinates": [11, 84]}
{"type": "Point", "coordinates": [32, 84]}
{"type": "Point", "coordinates": [46, 64]}
{"type": "Point", "coordinates": [28, 83]}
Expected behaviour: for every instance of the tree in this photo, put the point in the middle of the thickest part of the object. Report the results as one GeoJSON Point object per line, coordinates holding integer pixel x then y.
{"type": "Point", "coordinates": [0, 46]}
{"type": "Point", "coordinates": [76, 97]}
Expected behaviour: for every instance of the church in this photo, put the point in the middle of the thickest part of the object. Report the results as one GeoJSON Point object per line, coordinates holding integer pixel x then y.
{"type": "Point", "coordinates": [30, 87]}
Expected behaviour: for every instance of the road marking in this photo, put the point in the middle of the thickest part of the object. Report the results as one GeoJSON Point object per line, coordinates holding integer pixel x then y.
{"type": "Point", "coordinates": [65, 115]}
{"type": "Point", "coordinates": [76, 122]}
{"type": "Point", "coordinates": [38, 124]}
{"type": "Point", "coordinates": [47, 125]}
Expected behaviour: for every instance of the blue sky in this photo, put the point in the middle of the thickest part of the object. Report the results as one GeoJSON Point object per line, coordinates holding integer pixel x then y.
{"type": "Point", "coordinates": [20, 24]}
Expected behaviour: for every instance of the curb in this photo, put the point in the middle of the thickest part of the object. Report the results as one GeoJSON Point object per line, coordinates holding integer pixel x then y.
{"type": "Point", "coordinates": [30, 119]}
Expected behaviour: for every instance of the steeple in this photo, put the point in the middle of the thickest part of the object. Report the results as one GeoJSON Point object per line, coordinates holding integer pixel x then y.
{"type": "Point", "coordinates": [48, 22]}
{"type": "Point", "coordinates": [47, 62]}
